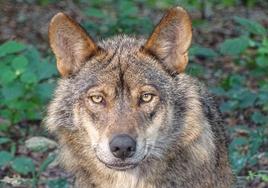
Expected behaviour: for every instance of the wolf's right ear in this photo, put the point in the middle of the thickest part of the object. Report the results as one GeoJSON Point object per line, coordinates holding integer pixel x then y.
{"type": "Point", "coordinates": [70, 44]}
{"type": "Point", "coordinates": [171, 39]}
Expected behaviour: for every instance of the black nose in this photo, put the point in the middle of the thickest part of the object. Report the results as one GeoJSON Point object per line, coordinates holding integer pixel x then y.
{"type": "Point", "coordinates": [123, 146]}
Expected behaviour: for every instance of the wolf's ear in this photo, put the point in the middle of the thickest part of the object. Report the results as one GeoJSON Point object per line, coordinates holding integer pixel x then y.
{"type": "Point", "coordinates": [70, 44]}
{"type": "Point", "coordinates": [171, 39]}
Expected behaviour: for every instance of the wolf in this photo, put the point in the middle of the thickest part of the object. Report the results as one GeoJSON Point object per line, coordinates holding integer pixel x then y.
{"type": "Point", "coordinates": [127, 116]}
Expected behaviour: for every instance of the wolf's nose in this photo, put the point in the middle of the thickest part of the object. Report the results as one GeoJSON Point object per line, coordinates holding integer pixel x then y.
{"type": "Point", "coordinates": [123, 146]}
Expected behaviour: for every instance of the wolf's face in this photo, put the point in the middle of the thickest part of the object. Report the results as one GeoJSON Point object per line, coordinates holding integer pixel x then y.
{"type": "Point", "coordinates": [117, 96]}
{"type": "Point", "coordinates": [125, 103]}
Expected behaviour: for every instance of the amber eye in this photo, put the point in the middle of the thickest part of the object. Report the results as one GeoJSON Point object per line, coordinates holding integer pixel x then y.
{"type": "Point", "coordinates": [146, 97]}
{"type": "Point", "coordinates": [96, 99]}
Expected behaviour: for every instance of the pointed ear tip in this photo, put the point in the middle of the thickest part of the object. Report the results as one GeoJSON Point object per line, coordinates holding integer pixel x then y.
{"type": "Point", "coordinates": [179, 10]}
{"type": "Point", "coordinates": [57, 17]}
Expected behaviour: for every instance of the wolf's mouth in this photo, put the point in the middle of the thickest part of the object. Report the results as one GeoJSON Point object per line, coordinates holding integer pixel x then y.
{"type": "Point", "coordinates": [124, 165]}
{"type": "Point", "coordinates": [121, 167]}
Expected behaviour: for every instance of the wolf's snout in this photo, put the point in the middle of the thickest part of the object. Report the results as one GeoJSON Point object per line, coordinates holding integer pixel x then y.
{"type": "Point", "coordinates": [122, 146]}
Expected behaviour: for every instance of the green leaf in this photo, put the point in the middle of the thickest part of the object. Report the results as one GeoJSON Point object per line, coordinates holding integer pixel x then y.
{"type": "Point", "coordinates": [229, 2]}
{"type": "Point", "coordinates": [234, 81]}
{"type": "Point", "coordinates": [46, 162]}
{"type": "Point", "coordinates": [13, 91]}
{"type": "Point", "coordinates": [93, 12]}
{"type": "Point", "coordinates": [218, 91]}
{"type": "Point", "coordinates": [239, 141]}
{"type": "Point", "coordinates": [258, 118]}
{"type": "Point", "coordinates": [45, 69]}
{"type": "Point", "coordinates": [202, 52]}
{"type": "Point", "coordinates": [4, 140]}
{"type": "Point", "coordinates": [262, 97]}
{"type": "Point", "coordinates": [23, 165]}
{"type": "Point", "coordinates": [22, 105]}
{"type": "Point", "coordinates": [264, 177]}
{"type": "Point", "coordinates": [262, 61]}
{"type": "Point", "coordinates": [28, 77]}
{"type": "Point", "coordinates": [34, 114]}
{"type": "Point", "coordinates": [256, 140]}
{"type": "Point", "coordinates": [263, 49]}
{"type": "Point", "coordinates": [228, 106]}
{"type": "Point", "coordinates": [5, 158]}
{"type": "Point", "coordinates": [195, 70]}
{"type": "Point", "coordinates": [127, 9]}
{"type": "Point", "coordinates": [58, 183]}
{"type": "Point", "coordinates": [234, 46]}
{"type": "Point", "coordinates": [10, 47]}
{"type": "Point", "coordinates": [45, 90]}
{"type": "Point", "coordinates": [33, 55]}
{"type": "Point", "coordinates": [247, 99]}
{"type": "Point", "coordinates": [4, 127]}
{"type": "Point", "coordinates": [252, 26]}
{"type": "Point", "coordinates": [7, 76]}
{"type": "Point", "coordinates": [19, 64]}
{"type": "Point", "coordinates": [238, 161]}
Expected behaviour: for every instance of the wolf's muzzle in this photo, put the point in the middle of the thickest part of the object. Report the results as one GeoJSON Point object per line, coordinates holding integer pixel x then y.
{"type": "Point", "coordinates": [122, 146]}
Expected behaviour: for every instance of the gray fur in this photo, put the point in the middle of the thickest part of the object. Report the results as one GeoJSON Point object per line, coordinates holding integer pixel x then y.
{"type": "Point", "coordinates": [180, 135]}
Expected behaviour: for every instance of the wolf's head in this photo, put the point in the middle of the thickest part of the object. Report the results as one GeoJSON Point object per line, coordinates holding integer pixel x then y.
{"type": "Point", "coordinates": [115, 101]}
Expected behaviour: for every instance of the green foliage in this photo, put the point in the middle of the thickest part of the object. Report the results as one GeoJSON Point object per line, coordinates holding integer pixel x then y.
{"type": "Point", "coordinates": [262, 175]}
{"type": "Point", "coordinates": [248, 50]}
{"type": "Point", "coordinates": [251, 26]}
{"type": "Point", "coordinates": [244, 149]}
{"type": "Point", "coordinates": [58, 183]}
{"type": "Point", "coordinates": [5, 158]}
{"type": "Point", "coordinates": [25, 83]}
{"type": "Point", "coordinates": [110, 18]}
{"type": "Point", "coordinates": [200, 51]}
{"type": "Point", "coordinates": [4, 140]}
{"type": "Point", "coordinates": [23, 165]}
{"type": "Point", "coordinates": [10, 47]}
{"type": "Point", "coordinates": [234, 46]}
{"type": "Point", "coordinates": [45, 163]}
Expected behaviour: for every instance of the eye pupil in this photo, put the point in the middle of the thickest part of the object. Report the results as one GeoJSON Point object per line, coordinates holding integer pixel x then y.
{"type": "Point", "coordinates": [97, 98]}
{"type": "Point", "coordinates": [146, 97]}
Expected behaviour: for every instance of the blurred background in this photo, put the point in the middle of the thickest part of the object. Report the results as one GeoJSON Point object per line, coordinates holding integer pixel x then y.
{"type": "Point", "coordinates": [229, 53]}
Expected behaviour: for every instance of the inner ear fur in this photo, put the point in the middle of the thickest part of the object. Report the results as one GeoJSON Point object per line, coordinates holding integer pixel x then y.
{"type": "Point", "coordinates": [70, 43]}
{"type": "Point", "coordinates": [171, 39]}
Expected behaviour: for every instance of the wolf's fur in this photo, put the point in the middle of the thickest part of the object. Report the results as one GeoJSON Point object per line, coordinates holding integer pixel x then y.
{"type": "Point", "coordinates": [180, 135]}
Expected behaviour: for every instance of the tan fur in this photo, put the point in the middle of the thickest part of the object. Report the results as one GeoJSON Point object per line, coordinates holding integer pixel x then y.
{"type": "Point", "coordinates": [66, 36]}
{"type": "Point", "coordinates": [171, 46]}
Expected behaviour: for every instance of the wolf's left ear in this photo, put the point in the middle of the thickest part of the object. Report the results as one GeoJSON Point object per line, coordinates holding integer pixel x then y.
{"type": "Point", "coordinates": [70, 44]}
{"type": "Point", "coordinates": [171, 39]}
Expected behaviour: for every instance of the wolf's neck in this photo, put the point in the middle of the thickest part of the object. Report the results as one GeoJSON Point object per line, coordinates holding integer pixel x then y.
{"type": "Point", "coordinates": [129, 179]}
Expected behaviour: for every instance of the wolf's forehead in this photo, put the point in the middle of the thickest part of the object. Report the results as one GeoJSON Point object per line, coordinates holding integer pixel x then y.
{"type": "Point", "coordinates": [122, 67]}
{"type": "Point", "coordinates": [122, 44]}
{"type": "Point", "coordinates": [133, 74]}
{"type": "Point", "coordinates": [123, 63]}
{"type": "Point", "coordinates": [125, 70]}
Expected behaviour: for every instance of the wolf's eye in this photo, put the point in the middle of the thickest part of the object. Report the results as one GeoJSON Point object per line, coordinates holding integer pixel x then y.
{"type": "Point", "coordinates": [96, 99]}
{"type": "Point", "coordinates": [146, 97]}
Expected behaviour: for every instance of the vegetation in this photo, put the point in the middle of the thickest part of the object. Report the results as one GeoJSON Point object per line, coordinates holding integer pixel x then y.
{"type": "Point", "coordinates": [235, 68]}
